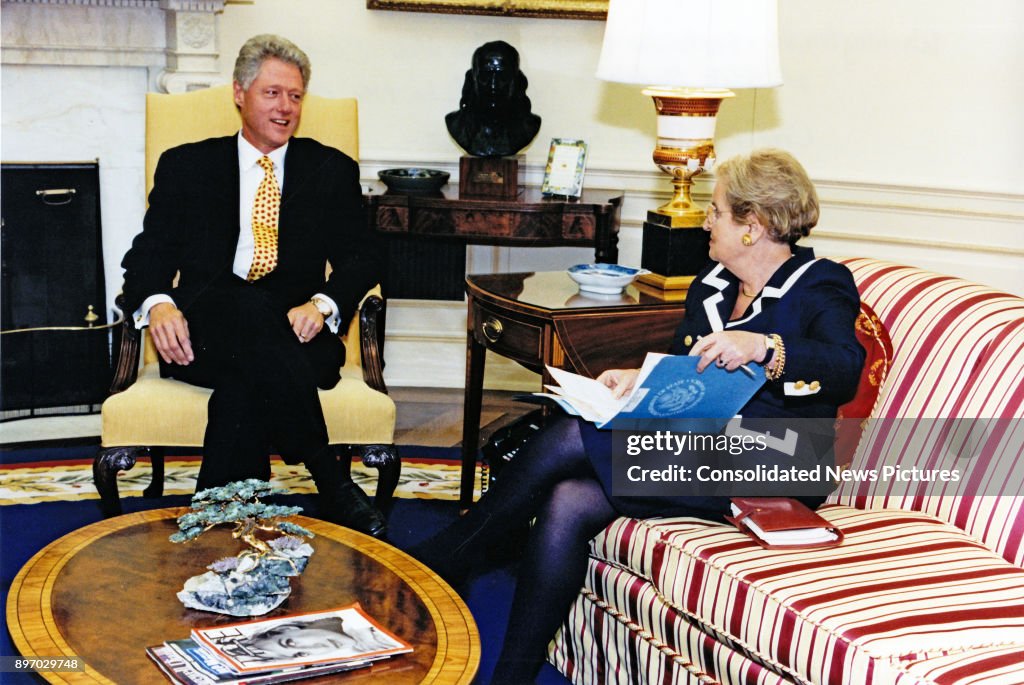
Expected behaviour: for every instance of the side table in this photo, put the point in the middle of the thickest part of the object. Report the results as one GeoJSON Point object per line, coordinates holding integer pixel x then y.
{"type": "Point", "coordinates": [542, 319]}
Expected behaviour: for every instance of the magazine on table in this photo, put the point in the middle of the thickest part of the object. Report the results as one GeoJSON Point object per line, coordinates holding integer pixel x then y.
{"type": "Point", "coordinates": [278, 649]}
{"type": "Point", "coordinates": [180, 669]}
{"type": "Point", "coordinates": [667, 387]}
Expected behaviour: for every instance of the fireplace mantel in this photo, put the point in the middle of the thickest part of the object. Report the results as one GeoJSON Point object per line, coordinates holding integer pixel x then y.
{"type": "Point", "coordinates": [176, 40]}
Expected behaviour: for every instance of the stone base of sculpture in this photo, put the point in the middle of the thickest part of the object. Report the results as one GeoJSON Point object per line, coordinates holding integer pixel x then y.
{"type": "Point", "coordinates": [248, 584]}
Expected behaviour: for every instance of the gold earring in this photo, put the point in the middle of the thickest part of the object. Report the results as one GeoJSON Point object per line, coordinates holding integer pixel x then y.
{"type": "Point", "coordinates": [747, 240]}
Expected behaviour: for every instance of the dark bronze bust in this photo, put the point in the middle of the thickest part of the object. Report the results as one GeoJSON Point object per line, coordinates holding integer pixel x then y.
{"type": "Point", "coordinates": [494, 118]}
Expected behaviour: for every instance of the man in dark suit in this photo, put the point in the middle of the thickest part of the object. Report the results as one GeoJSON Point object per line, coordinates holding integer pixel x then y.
{"type": "Point", "coordinates": [247, 225]}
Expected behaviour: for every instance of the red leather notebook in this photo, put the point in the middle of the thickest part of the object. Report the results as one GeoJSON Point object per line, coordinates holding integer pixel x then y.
{"type": "Point", "coordinates": [782, 523]}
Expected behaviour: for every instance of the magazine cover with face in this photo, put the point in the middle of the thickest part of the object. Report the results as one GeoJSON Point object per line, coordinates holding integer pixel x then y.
{"type": "Point", "coordinates": [336, 635]}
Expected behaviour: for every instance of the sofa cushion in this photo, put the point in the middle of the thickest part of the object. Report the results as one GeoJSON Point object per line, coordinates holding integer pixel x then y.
{"type": "Point", "coordinates": [620, 630]}
{"type": "Point", "coordinates": [875, 340]}
{"type": "Point", "coordinates": [904, 587]}
{"type": "Point", "coordinates": [354, 412]}
{"type": "Point", "coordinates": [958, 354]}
{"type": "Point", "coordinates": [940, 328]}
{"type": "Point", "coordinates": [988, 665]}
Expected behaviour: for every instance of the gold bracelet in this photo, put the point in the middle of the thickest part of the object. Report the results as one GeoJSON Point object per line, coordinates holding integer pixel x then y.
{"type": "Point", "coordinates": [780, 359]}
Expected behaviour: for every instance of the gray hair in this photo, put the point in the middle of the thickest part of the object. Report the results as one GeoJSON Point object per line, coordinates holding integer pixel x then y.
{"type": "Point", "coordinates": [259, 48]}
{"type": "Point", "coordinates": [772, 186]}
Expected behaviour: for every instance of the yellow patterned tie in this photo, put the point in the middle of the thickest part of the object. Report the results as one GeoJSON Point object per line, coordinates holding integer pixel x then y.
{"type": "Point", "coordinates": [264, 222]}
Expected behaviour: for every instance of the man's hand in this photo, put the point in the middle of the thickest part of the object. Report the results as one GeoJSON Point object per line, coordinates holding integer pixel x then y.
{"type": "Point", "coordinates": [169, 330]}
{"type": "Point", "coordinates": [305, 321]}
{"type": "Point", "coordinates": [621, 381]}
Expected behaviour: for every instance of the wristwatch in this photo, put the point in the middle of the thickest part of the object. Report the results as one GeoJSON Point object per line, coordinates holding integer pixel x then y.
{"type": "Point", "coordinates": [322, 306]}
{"type": "Point", "coordinates": [769, 346]}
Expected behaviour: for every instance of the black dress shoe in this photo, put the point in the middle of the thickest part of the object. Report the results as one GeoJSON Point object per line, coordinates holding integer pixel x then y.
{"type": "Point", "coordinates": [350, 507]}
{"type": "Point", "coordinates": [454, 570]}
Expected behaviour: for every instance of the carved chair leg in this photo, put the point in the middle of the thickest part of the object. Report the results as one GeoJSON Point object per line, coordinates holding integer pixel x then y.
{"type": "Point", "coordinates": [385, 459]}
{"type": "Point", "coordinates": [155, 488]}
{"type": "Point", "coordinates": [105, 467]}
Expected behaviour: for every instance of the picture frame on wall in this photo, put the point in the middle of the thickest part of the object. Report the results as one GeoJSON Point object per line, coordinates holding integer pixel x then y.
{"type": "Point", "coordinates": [563, 174]}
{"type": "Point", "coordinates": [556, 9]}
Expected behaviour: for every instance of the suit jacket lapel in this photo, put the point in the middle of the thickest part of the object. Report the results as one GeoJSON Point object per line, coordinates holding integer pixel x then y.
{"type": "Point", "coordinates": [234, 182]}
{"type": "Point", "coordinates": [717, 307]}
{"type": "Point", "coordinates": [297, 169]}
{"type": "Point", "coordinates": [223, 209]}
{"type": "Point", "coordinates": [784, 278]}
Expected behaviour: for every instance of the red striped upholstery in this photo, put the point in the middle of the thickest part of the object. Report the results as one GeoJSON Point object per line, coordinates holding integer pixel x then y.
{"type": "Point", "coordinates": [941, 328]}
{"type": "Point", "coordinates": [609, 645]}
{"type": "Point", "coordinates": [958, 352]}
{"type": "Point", "coordinates": [905, 588]}
{"type": "Point", "coordinates": [928, 586]}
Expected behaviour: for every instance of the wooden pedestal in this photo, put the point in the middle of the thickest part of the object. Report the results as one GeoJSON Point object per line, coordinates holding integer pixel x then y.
{"type": "Point", "coordinates": [673, 255]}
{"type": "Point", "coordinates": [499, 178]}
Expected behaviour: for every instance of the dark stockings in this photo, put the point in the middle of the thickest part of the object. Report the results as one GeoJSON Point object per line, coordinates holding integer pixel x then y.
{"type": "Point", "coordinates": [552, 480]}
{"type": "Point", "coordinates": [551, 574]}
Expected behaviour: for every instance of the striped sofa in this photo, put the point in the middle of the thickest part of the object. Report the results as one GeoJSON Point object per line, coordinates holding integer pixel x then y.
{"type": "Point", "coordinates": [928, 586]}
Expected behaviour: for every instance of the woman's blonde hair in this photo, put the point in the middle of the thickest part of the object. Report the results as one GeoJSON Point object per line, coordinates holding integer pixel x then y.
{"type": "Point", "coordinates": [772, 186]}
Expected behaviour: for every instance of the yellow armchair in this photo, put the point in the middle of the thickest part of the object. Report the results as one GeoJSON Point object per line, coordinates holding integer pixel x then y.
{"type": "Point", "coordinates": [145, 413]}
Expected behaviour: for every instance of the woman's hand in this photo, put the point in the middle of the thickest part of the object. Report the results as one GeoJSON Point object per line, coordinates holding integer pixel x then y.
{"type": "Point", "coordinates": [729, 349]}
{"type": "Point", "coordinates": [621, 381]}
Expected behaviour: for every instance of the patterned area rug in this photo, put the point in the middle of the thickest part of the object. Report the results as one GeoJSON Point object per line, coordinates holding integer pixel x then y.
{"type": "Point", "coordinates": [425, 475]}
{"type": "Point", "coordinates": [57, 483]}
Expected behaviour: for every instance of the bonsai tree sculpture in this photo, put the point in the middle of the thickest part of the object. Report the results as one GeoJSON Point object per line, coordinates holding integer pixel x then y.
{"type": "Point", "coordinates": [256, 580]}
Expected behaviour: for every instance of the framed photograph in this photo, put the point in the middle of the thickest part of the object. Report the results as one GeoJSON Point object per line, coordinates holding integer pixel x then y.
{"type": "Point", "coordinates": [563, 174]}
{"type": "Point", "coordinates": [557, 9]}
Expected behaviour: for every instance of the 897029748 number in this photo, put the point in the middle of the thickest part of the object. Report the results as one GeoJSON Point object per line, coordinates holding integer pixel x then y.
{"type": "Point", "coordinates": [13, 664]}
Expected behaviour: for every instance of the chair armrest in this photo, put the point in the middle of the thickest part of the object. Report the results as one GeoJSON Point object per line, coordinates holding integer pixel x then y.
{"type": "Point", "coordinates": [127, 360]}
{"type": "Point", "coordinates": [372, 316]}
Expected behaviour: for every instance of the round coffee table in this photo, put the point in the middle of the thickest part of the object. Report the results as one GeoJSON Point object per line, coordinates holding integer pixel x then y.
{"type": "Point", "coordinates": [107, 591]}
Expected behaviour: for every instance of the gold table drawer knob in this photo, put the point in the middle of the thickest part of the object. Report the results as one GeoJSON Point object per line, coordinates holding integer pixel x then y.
{"type": "Point", "coordinates": [491, 328]}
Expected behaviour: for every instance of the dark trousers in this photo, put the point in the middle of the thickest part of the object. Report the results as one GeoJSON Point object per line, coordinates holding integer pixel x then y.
{"type": "Point", "coordinates": [264, 381]}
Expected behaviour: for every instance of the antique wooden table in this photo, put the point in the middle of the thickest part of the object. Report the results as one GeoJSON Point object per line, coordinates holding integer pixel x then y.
{"type": "Point", "coordinates": [427, 235]}
{"type": "Point", "coordinates": [107, 591]}
{"type": "Point", "coordinates": [528, 220]}
{"type": "Point", "coordinates": [542, 319]}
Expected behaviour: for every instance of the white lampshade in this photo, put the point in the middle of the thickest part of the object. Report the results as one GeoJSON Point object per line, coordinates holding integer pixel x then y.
{"type": "Point", "coordinates": [692, 43]}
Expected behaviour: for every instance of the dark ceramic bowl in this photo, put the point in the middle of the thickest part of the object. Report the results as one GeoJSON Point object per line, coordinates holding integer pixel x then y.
{"type": "Point", "coordinates": [413, 180]}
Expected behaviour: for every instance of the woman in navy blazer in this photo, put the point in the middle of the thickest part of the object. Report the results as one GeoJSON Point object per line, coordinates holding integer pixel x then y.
{"type": "Point", "coordinates": [764, 303]}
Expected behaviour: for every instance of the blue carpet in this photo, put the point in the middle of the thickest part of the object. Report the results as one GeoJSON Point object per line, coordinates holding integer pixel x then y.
{"type": "Point", "coordinates": [25, 529]}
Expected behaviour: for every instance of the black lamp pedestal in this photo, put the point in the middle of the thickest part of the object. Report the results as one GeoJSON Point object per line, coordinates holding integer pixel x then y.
{"type": "Point", "coordinates": [673, 254]}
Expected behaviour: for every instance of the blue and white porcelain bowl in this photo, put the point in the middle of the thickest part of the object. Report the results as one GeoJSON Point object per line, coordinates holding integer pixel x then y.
{"type": "Point", "coordinates": [604, 279]}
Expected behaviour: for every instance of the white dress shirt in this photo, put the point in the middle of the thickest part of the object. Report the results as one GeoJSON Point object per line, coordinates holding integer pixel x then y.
{"type": "Point", "coordinates": [250, 175]}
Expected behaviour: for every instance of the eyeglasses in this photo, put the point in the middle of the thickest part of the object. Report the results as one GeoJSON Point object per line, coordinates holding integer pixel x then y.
{"type": "Point", "coordinates": [714, 214]}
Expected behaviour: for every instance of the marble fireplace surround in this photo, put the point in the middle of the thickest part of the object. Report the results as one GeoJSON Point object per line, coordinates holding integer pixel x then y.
{"type": "Point", "coordinates": [176, 40]}
{"type": "Point", "coordinates": [75, 74]}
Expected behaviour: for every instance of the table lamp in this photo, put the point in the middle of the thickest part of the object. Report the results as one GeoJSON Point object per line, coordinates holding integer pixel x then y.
{"type": "Point", "coordinates": [688, 54]}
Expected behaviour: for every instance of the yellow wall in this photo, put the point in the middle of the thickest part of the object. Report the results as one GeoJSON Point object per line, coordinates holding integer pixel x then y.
{"type": "Point", "coordinates": [907, 114]}
{"type": "Point", "coordinates": [914, 92]}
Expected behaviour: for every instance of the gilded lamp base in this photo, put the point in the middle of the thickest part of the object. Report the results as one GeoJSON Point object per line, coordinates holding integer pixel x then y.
{"type": "Point", "coordinates": [675, 247]}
